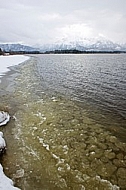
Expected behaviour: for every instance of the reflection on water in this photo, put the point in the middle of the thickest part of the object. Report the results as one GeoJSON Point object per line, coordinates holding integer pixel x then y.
{"type": "Point", "coordinates": [56, 145]}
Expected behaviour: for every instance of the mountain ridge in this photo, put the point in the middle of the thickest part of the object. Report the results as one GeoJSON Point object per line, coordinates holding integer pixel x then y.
{"type": "Point", "coordinates": [82, 44]}
{"type": "Point", "coordinates": [85, 44]}
{"type": "Point", "coordinates": [7, 47]}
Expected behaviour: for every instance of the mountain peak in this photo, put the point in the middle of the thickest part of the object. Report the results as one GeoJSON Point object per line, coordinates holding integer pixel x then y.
{"type": "Point", "coordinates": [84, 44]}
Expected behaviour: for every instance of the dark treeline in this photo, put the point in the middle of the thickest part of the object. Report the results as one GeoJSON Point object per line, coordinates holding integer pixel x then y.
{"type": "Point", "coordinates": [18, 52]}
{"type": "Point", "coordinates": [23, 52]}
{"type": "Point", "coordinates": [74, 51]}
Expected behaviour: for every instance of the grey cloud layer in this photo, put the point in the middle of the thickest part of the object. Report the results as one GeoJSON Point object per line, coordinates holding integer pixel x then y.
{"type": "Point", "coordinates": [38, 22]}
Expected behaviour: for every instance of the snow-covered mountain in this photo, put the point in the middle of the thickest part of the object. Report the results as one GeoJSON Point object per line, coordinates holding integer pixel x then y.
{"type": "Point", "coordinates": [17, 48]}
{"type": "Point", "coordinates": [84, 44]}
{"type": "Point", "coordinates": [81, 44]}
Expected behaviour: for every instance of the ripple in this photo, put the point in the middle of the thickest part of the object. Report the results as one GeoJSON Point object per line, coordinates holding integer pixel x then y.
{"type": "Point", "coordinates": [57, 144]}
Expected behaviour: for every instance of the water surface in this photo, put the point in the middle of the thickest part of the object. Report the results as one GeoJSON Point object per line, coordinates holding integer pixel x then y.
{"type": "Point", "coordinates": [68, 125]}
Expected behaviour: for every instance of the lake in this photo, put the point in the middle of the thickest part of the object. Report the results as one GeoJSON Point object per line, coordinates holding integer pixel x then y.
{"type": "Point", "coordinates": [69, 122]}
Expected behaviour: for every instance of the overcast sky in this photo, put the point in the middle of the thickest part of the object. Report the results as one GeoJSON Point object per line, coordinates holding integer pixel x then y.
{"type": "Point", "coordinates": [33, 22]}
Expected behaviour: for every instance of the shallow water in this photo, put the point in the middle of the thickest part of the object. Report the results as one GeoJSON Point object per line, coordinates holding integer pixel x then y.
{"type": "Point", "coordinates": [54, 140]}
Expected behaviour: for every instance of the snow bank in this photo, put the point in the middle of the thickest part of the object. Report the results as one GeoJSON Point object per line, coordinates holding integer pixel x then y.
{"type": "Point", "coordinates": [5, 182]}
{"type": "Point", "coordinates": [11, 60]}
{"type": "Point", "coordinates": [5, 62]}
{"type": "Point", "coordinates": [4, 118]}
{"type": "Point", "coordinates": [2, 143]}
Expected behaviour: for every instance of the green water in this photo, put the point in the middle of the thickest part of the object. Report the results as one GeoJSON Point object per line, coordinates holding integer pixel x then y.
{"type": "Point", "coordinates": [53, 144]}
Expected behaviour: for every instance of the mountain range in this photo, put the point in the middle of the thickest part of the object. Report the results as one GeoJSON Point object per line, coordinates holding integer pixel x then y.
{"type": "Point", "coordinates": [17, 48]}
{"type": "Point", "coordinates": [82, 44]}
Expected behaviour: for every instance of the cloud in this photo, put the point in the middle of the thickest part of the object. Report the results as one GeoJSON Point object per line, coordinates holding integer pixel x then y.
{"type": "Point", "coordinates": [38, 22]}
{"type": "Point", "coordinates": [75, 31]}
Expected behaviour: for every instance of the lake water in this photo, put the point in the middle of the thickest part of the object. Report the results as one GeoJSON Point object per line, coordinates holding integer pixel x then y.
{"type": "Point", "coordinates": [96, 80]}
{"type": "Point", "coordinates": [69, 125]}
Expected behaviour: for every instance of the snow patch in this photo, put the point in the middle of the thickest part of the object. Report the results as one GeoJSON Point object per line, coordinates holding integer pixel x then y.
{"type": "Point", "coordinates": [112, 187]}
{"type": "Point", "coordinates": [11, 60]}
{"type": "Point", "coordinates": [4, 118]}
{"type": "Point", "coordinates": [2, 143]}
{"type": "Point", "coordinates": [5, 182]}
{"type": "Point", "coordinates": [41, 140]}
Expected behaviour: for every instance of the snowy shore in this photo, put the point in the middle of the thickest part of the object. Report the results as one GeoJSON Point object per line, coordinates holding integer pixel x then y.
{"type": "Point", "coordinates": [11, 60]}
{"type": "Point", "coordinates": [6, 62]}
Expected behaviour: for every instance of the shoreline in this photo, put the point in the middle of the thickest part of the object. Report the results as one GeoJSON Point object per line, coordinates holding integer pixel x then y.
{"type": "Point", "coordinates": [8, 61]}
{"type": "Point", "coordinates": [7, 75]}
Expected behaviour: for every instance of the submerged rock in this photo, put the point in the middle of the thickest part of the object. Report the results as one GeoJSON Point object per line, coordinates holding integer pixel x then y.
{"type": "Point", "coordinates": [4, 118]}
{"type": "Point", "coordinates": [19, 173]}
{"type": "Point", "coordinates": [106, 169]}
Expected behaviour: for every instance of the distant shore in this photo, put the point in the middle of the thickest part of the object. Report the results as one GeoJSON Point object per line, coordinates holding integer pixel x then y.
{"type": "Point", "coordinates": [66, 51]}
